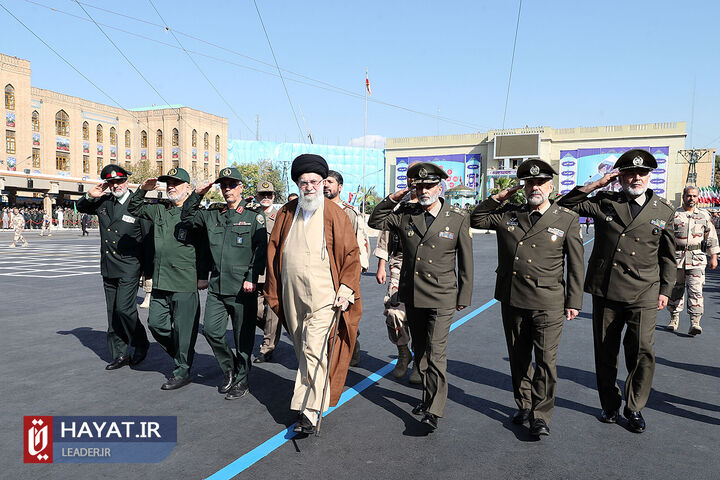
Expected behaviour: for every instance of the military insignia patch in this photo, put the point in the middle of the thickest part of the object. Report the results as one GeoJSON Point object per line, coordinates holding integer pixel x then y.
{"type": "Point", "coordinates": [556, 232]}
{"type": "Point", "coordinates": [239, 209]}
{"type": "Point", "coordinates": [182, 234]}
{"type": "Point", "coordinates": [265, 185]}
{"type": "Point", "coordinates": [449, 235]}
{"type": "Point", "coordinates": [658, 223]}
{"type": "Point", "coordinates": [113, 173]}
{"type": "Point", "coordinates": [423, 173]}
{"type": "Point", "coordinates": [173, 171]}
{"type": "Point", "coordinates": [261, 219]}
{"type": "Point", "coordinates": [534, 170]}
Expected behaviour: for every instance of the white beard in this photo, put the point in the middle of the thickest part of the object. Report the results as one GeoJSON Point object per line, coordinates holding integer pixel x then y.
{"type": "Point", "coordinates": [535, 200]}
{"type": "Point", "coordinates": [118, 194]}
{"type": "Point", "coordinates": [429, 200]}
{"type": "Point", "coordinates": [176, 198]}
{"type": "Point", "coordinates": [634, 192]}
{"type": "Point", "coordinates": [310, 204]}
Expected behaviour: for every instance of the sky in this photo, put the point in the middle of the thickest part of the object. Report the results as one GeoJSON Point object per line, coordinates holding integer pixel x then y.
{"type": "Point", "coordinates": [576, 63]}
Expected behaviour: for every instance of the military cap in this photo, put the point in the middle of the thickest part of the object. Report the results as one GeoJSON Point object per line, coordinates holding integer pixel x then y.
{"type": "Point", "coordinates": [426, 172]}
{"type": "Point", "coordinates": [175, 174]}
{"type": "Point", "coordinates": [230, 173]}
{"type": "Point", "coordinates": [114, 172]}
{"type": "Point", "coordinates": [265, 186]}
{"type": "Point", "coordinates": [308, 163]}
{"type": "Point", "coordinates": [535, 168]}
{"type": "Point", "coordinates": [636, 158]}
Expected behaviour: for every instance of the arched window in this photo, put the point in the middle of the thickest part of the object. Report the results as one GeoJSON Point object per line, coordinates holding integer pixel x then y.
{"type": "Point", "coordinates": [158, 139]}
{"type": "Point", "coordinates": [35, 121]}
{"type": "Point", "coordinates": [143, 139]}
{"type": "Point", "coordinates": [86, 131]}
{"type": "Point", "coordinates": [113, 136]}
{"type": "Point", "coordinates": [99, 134]}
{"type": "Point", "coordinates": [217, 143]}
{"type": "Point", "coordinates": [175, 138]}
{"type": "Point", "coordinates": [207, 141]}
{"type": "Point", "coordinates": [62, 124]}
{"type": "Point", "coordinates": [194, 138]}
{"type": "Point", "coordinates": [127, 139]}
{"type": "Point", "coordinates": [9, 97]}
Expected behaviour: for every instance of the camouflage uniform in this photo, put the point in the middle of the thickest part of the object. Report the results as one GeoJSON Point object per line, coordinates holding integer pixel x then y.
{"type": "Point", "coordinates": [395, 318]}
{"type": "Point", "coordinates": [46, 225]}
{"type": "Point", "coordinates": [18, 224]}
{"type": "Point", "coordinates": [692, 230]}
{"type": "Point", "coordinates": [358, 224]}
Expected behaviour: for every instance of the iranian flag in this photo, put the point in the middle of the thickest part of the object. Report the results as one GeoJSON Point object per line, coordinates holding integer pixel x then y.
{"type": "Point", "coordinates": [367, 84]}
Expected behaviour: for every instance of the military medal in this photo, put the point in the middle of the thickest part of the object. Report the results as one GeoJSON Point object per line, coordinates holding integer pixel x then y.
{"type": "Point", "coordinates": [608, 219]}
{"type": "Point", "coordinates": [553, 237]}
{"type": "Point", "coordinates": [511, 228]}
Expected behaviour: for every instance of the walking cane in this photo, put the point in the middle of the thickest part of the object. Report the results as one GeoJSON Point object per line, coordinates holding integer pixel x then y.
{"type": "Point", "coordinates": [336, 320]}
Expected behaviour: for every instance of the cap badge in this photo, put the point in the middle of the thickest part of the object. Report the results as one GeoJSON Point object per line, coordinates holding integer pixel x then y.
{"type": "Point", "coordinates": [226, 172]}
{"type": "Point", "coordinates": [422, 173]}
{"type": "Point", "coordinates": [114, 173]}
{"type": "Point", "coordinates": [265, 185]}
{"type": "Point", "coordinates": [534, 170]}
{"type": "Point", "coordinates": [637, 161]}
{"type": "Point", "coordinates": [173, 171]}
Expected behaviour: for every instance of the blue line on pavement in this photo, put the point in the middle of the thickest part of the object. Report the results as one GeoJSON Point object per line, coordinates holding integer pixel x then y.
{"type": "Point", "coordinates": [273, 443]}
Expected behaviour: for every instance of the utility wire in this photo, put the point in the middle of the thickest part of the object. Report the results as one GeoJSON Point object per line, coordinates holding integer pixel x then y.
{"type": "Point", "coordinates": [302, 135]}
{"type": "Point", "coordinates": [167, 28]}
{"type": "Point", "coordinates": [512, 62]}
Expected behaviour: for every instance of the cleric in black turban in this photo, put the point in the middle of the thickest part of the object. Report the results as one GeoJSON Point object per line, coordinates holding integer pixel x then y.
{"type": "Point", "coordinates": [308, 163]}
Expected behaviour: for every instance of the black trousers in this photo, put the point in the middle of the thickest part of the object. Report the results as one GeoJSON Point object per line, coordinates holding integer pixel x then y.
{"type": "Point", "coordinates": [124, 326]}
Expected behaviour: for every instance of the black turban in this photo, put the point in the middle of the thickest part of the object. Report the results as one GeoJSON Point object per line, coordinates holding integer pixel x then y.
{"type": "Point", "coordinates": [308, 163]}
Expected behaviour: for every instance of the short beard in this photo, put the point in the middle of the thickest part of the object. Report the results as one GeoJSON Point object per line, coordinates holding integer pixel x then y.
{"type": "Point", "coordinates": [178, 197]}
{"type": "Point", "coordinates": [266, 201]}
{"type": "Point", "coordinates": [329, 195]}
{"type": "Point", "coordinates": [425, 202]}
{"type": "Point", "coordinates": [634, 192]}
{"type": "Point", "coordinates": [534, 201]}
{"type": "Point", "coordinates": [310, 204]}
{"type": "Point", "coordinates": [117, 194]}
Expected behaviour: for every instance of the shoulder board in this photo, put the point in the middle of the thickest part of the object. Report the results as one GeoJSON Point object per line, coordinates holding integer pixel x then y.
{"type": "Point", "coordinates": [254, 206]}
{"type": "Point", "coordinates": [216, 206]}
{"type": "Point", "coordinates": [458, 210]}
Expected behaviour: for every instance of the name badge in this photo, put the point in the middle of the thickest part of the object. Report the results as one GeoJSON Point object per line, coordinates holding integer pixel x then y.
{"type": "Point", "coordinates": [128, 219]}
{"type": "Point", "coordinates": [243, 224]}
{"type": "Point", "coordinates": [449, 235]}
{"type": "Point", "coordinates": [239, 241]}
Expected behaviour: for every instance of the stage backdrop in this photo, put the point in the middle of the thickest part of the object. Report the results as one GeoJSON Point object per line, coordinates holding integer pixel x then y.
{"type": "Point", "coordinates": [461, 169]}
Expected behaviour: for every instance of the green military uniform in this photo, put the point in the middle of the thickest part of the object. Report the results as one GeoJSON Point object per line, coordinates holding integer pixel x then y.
{"type": "Point", "coordinates": [530, 285]}
{"type": "Point", "coordinates": [121, 260]}
{"type": "Point", "coordinates": [179, 264]}
{"type": "Point", "coordinates": [632, 263]}
{"type": "Point", "coordinates": [238, 246]}
{"type": "Point", "coordinates": [429, 285]}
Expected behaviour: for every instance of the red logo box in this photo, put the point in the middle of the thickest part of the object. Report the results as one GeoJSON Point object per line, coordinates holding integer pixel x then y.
{"type": "Point", "coordinates": [38, 439]}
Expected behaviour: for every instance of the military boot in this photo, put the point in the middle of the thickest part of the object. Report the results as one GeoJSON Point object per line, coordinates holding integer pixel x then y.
{"type": "Point", "coordinates": [415, 378]}
{"type": "Point", "coordinates": [674, 322]}
{"type": "Point", "coordinates": [403, 360]}
{"type": "Point", "coordinates": [695, 328]}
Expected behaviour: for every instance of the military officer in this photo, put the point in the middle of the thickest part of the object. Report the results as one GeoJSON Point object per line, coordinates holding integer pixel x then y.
{"type": "Point", "coordinates": [631, 273]}
{"type": "Point", "coordinates": [17, 223]}
{"type": "Point", "coordinates": [121, 261]}
{"type": "Point", "coordinates": [238, 245]}
{"type": "Point", "coordinates": [536, 243]}
{"type": "Point", "coordinates": [694, 232]}
{"type": "Point", "coordinates": [180, 270]}
{"type": "Point", "coordinates": [267, 320]}
{"type": "Point", "coordinates": [434, 235]}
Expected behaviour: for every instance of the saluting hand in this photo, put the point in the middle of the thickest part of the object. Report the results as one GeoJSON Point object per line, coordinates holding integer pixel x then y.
{"type": "Point", "coordinates": [149, 184]}
{"type": "Point", "coordinates": [98, 190]}
{"type": "Point", "coordinates": [248, 287]}
{"type": "Point", "coordinates": [571, 313]}
{"type": "Point", "coordinates": [397, 196]}
{"type": "Point", "coordinates": [203, 189]}
{"type": "Point", "coordinates": [507, 193]}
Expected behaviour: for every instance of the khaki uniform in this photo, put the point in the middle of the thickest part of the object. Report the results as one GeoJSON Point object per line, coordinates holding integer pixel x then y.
{"type": "Point", "coordinates": [18, 225]}
{"type": "Point", "coordinates": [45, 226]}
{"type": "Point", "coordinates": [692, 229]}
{"type": "Point", "coordinates": [267, 320]}
{"type": "Point", "coordinates": [429, 284]}
{"type": "Point", "coordinates": [531, 286]}
{"type": "Point", "coordinates": [632, 262]}
{"type": "Point", "coordinates": [395, 316]}
{"type": "Point", "coordinates": [358, 224]}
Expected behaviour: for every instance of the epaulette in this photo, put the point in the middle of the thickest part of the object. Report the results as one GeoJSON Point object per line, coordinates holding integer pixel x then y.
{"type": "Point", "coordinates": [458, 210]}
{"type": "Point", "coordinates": [216, 206]}
{"type": "Point", "coordinates": [254, 206]}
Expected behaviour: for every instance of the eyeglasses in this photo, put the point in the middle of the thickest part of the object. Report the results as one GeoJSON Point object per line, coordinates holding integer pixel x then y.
{"type": "Point", "coordinates": [305, 183]}
{"type": "Point", "coordinates": [229, 184]}
{"type": "Point", "coordinates": [266, 194]}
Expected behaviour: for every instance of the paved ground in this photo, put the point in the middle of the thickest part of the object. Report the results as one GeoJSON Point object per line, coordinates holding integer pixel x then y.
{"type": "Point", "coordinates": [54, 353]}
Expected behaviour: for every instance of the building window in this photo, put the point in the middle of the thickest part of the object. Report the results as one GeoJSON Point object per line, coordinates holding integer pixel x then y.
{"type": "Point", "coordinates": [158, 139]}
{"type": "Point", "coordinates": [9, 141]}
{"type": "Point", "coordinates": [194, 138]}
{"type": "Point", "coordinates": [207, 141]}
{"type": "Point", "coordinates": [86, 131]}
{"type": "Point", "coordinates": [217, 171]}
{"type": "Point", "coordinates": [159, 168]}
{"type": "Point", "coordinates": [86, 163]}
{"type": "Point", "coordinates": [9, 97]}
{"type": "Point", "coordinates": [175, 163]}
{"type": "Point", "coordinates": [206, 171]}
{"type": "Point", "coordinates": [99, 134]}
{"type": "Point", "coordinates": [113, 136]}
{"type": "Point", "coordinates": [36, 157]}
{"type": "Point", "coordinates": [62, 161]}
{"type": "Point", "coordinates": [175, 138]}
{"type": "Point", "coordinates": [99, 165]}
{"type": "Point", "coordinates": [128, 165]}
{"type": "Point", "coordinates": [35, 121]}
{"type": "Point", "coordinates": [194, 169]}
{"type": "Point", "coordinates": [217, 143]}
{"type": "Point", "coordinates": [62, 124]}
{"type": "Point", "coordinates": [143, 139]}
{"type": "Point", "coordinates": [127, 139]}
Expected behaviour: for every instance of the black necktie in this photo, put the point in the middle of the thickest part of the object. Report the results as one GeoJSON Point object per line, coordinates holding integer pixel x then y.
{"type": "Point", "coordinates": [534, 217]}
{"type": "Point", "coordinates": [428, 219]}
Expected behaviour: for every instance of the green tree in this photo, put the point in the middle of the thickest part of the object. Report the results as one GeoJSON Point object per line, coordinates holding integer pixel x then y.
{"type": "Point", "coordinates": [371, 198]}
{"type": "Point", "coordinates": [142, 170]}
{"type": "Point", "coordinates": [506, 182]}
{"type": "Point", "coordinates": [254, 173]}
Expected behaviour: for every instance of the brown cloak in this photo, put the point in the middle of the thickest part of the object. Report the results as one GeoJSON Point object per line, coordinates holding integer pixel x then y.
{"type": "Point", "coordinates": [344, 255]}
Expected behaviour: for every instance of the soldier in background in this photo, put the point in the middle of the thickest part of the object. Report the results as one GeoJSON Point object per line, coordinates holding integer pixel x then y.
{"type": "Point", "coordinates": [46, 219]}
{"type": "Point", "coordinates": [18, 225]}
{"type": "Point", "coordinates": [695, 236]}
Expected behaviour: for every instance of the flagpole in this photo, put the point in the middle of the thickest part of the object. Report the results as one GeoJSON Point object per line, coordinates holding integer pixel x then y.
{"type": "Point", "coordinates": [364, 141]}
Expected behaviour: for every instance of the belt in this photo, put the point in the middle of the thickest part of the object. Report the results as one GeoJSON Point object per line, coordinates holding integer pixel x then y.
{"type": "Point", "coordinates": [688, 248]}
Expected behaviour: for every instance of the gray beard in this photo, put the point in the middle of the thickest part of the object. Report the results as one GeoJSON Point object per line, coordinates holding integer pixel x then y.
{"type": "Point", "coordinates": [536, 200]}
{"type": "Point", "coordinates": [118, 194]}
{"type": "Point", "coordinates": [634, 192]}
{"type": "Point", "coordinates": [429, 201]}
{"type": "Point", "coordinates": [310, 204]}
{"type": "Point", "coordinates": [176, 198]}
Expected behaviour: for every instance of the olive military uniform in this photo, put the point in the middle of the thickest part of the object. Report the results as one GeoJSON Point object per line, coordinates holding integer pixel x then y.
{"type": "Point", "coordinates": [238, 246]}
{"type": "Point", "coordinates": [179, 262]}
{"type": "Point", "coordinates": [632, 262]}
{"type": "Point", "coordinates": [121, 262]}
{"type": "Point", "coordinates": [530, 285]}
{"type": "Point", "coordinates": [428, 285]}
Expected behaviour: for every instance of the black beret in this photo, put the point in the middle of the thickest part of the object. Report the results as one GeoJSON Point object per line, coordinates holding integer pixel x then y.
{"type": "Point", "coordinates": [308, 163]}
{"type": "Point", "coordinates": [535, 168]}
{"type": "Point", "coordinates": [636, 158]}
{"type": "Point", "coordinates": [114, 172]}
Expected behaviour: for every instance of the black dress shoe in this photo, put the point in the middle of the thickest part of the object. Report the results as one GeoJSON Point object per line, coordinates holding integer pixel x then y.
{"type": "Point", "coordinates": [228, 380]}
{"type": "Point", "coordinates": [430, 420]}
{"type": "Point", "coordinates": [521, 416]}
{"type": "Point", "coordinates": [609, 416]}
{"type": "Point", "coordinates": [636, 422]}
{"type": "Point", "coordinates": [237, 391]}
{"type": "Point", "coordinates": [419, 409]}
{"type": "Point", "coordinates": [539, 427]}
{"type": "Point", "coordinates": [175, 382]}
{"type": "Point", "coordinates": [355, 359]}
{"type": "Point", "coordinates": [139, 355]}
{"type": "Point", "coordinates": [119, 362]}
{"type": "Point", "coordinates": [304, 425]}
{"type": "Point", "coordinates": [263, 357]}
